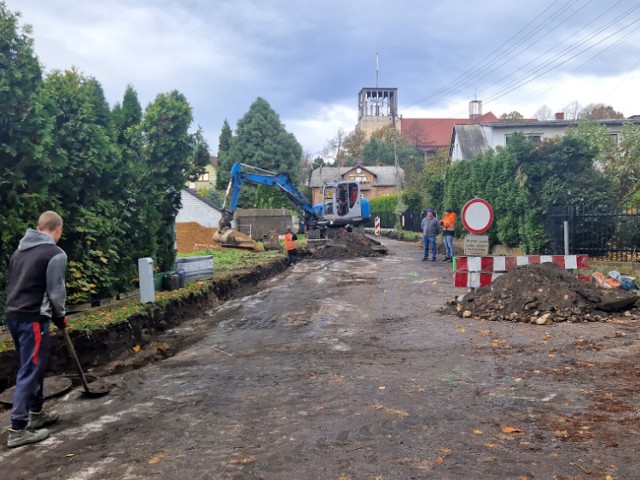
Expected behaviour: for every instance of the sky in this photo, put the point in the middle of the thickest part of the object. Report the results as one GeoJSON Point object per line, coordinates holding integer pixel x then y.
{"type": "Point", "coordinates": [309, 59]}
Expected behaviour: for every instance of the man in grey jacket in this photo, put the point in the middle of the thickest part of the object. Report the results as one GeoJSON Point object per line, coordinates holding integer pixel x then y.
{"type": "Point", "coordinates": [430, 229]}
{"type": "Point", "coordinates": [36, 295]}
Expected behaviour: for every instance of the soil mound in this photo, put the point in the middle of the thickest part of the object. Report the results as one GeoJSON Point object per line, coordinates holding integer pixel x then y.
{"type": "Point", "coordinates": [347, 245]}
{"type": "Point", "coordinates": [191, 236]}
{"type": "Point", "coordinates": [542, 294]}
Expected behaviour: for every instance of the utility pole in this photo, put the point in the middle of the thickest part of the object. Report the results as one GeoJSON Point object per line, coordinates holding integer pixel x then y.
{"type": "Point", "coordinates": [397, 168]}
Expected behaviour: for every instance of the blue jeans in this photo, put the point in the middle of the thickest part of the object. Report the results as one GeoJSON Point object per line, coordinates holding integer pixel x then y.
{"type": "Point", "coordinates": [448, 245]}
{"type": "Point", "coordinates": [429, 242]}
{"type": "Point", "coordinates": [31, 340]}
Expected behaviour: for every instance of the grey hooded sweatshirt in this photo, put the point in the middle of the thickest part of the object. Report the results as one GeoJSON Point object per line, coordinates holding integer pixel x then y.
{"type": "Point", "coordinates": [36, 287]}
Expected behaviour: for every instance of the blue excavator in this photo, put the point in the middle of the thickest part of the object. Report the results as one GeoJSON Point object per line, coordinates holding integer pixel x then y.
{"type": "Point", "coordinates": [342, 205]}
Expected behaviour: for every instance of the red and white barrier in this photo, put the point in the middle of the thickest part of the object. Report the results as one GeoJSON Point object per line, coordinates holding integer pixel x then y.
{"type": "Point", "coordinates": [377, 227]}
{"type": "Point", "coordinates": [474, 272]}
{"type": "Point", "coordinates": [506, 264]}
{"type": "Point", "coordinates": [474, 279]}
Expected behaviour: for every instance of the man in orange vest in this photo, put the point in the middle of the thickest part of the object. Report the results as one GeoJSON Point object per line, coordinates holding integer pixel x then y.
{"type": "Point", "coordinates": [449, 227]}
{"type": "Point", "coordinates": [290, 246]}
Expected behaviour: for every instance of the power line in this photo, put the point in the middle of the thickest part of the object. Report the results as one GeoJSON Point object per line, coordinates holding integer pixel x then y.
{"type": "Point", "coordinates": [531, 75]}
{"type": "Point", "coordinates": [515, 85]}
{"type": "Point", "coordinates": [458, 81]}
{"type": "Point", "coordinates": [545, 64]}
{"type": "Point", "coordinates": [590, 61]}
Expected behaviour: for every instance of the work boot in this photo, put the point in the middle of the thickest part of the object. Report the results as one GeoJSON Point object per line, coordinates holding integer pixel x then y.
{"type": "Point", "coordinates": [445, 259]}
{"type": "Point", "coordinates": [27, 435]}
{"type": "Point", "coordinates": [42, 419]}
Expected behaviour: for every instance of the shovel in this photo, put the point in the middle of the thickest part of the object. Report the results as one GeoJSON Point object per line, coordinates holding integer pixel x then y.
{"type": "Point", "coordinates": [98, 391]}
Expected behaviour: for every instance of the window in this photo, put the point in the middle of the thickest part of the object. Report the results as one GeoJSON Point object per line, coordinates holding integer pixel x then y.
{"type": "Point", "coordinates": [533, 138]}
{"type": "Point", "coordinates": [359, 178]}
{"type": "Point", "coordinates": [616, 138]}
{"type": "Point", "coordinates": [203, 177]}
{"type": "Point", "coordinates": [353, 194]}
{"type": "Point", "coordinates": [192, 185]}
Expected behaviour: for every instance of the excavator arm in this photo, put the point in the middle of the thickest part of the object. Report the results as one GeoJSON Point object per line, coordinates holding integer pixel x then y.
{"type": "Point", "coordinates": [259, 176]}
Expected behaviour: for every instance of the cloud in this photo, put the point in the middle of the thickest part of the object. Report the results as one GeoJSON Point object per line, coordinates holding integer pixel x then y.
{"type": "Point", "coordinates": [310, 60]}
{"type": "Point", "coordinates": [320, 123]}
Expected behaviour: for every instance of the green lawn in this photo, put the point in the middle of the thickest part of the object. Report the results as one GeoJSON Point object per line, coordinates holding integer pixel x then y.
{"type": "Point", "coordinates": [229, 259]}
{"type": "Point", "coordinates": [225, 263]}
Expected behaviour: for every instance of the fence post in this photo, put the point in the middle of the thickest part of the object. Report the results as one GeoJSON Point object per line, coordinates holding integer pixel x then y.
{"type": "Point", "coordinates": [565, 225]}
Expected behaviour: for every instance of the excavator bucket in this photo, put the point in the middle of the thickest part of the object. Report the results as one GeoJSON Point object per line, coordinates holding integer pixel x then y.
{"type": "Point", "coordinates": [234, 239]}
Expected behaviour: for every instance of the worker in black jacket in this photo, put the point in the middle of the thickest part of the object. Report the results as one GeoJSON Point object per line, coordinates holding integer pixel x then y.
{"type": "Point", "coordinates": [36, 295]}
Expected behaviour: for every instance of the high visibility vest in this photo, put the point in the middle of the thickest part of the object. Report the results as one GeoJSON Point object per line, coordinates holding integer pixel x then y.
{"type": "Point", "coordinates": [289, 242]}
{"type": "Point", "coordinates": [449, 221]}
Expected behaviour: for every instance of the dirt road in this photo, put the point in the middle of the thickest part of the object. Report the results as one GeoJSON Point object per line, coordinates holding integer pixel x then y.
{"type": "Point", "coordinates": [347, 370]}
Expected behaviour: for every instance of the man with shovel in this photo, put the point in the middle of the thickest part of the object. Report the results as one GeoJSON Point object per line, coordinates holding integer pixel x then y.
{"type": "Point", "coordinates": [36, 295]}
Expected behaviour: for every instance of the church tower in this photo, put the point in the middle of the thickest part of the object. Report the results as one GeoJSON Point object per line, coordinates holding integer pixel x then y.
{"type": "Point", "coordinates": [377, 108]}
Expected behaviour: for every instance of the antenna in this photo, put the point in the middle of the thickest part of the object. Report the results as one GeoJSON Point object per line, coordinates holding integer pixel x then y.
{"type": "Point", "coordinates": [377, 85]}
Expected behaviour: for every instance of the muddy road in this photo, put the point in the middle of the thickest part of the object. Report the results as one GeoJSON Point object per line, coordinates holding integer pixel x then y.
{"type": "Point", "coordinates": [346, 369]}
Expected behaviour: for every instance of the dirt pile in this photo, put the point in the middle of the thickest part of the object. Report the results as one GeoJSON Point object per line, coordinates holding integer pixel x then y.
{"type": "Point", "coordinates": [346, 245]}
{"type": "Point", "coordinates": [543, 294]}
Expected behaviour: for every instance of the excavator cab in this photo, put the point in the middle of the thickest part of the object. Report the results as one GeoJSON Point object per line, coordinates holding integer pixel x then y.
{"type": "Point", "coordinates": [342, 204]}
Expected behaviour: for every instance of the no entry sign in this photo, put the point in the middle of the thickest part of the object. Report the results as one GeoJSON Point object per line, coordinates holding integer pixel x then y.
{"type": "Point", "coordinates": [477, 216]}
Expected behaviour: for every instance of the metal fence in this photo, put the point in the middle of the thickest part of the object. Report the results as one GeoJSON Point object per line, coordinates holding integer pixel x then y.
{"type": "Point", "coordinates": [604, 232]}
{"type": "Point", "coordinates": [410, 220]}
{"type": "Point", "coordinates": [387, 220]}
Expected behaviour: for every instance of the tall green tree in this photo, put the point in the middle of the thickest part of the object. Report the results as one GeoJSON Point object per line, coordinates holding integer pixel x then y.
{"type": "Point", "coordinates": [24, 126]}
{"type": "Point", "coordinates": [226, 136]}
{"type": "Point", "coordinates": [172, 156]}
{"type": "Point", "coordinates": [127, 114]}
{"type": "Point", "coordinates": [261, 140]}
{"type": "Point", "coordinates": [224, 145]}
{"type": "Point", "coordinates": [139, 217]}
{"type": "Point", "coordinates": [87, 181]}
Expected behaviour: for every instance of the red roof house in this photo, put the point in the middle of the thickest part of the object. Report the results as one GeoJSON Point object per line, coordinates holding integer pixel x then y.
{"type": "Point", "coordinates": [432, 134]}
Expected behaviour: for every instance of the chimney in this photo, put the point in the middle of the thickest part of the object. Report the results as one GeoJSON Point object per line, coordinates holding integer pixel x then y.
{"type": "Point", "coordinates": [560, 116]}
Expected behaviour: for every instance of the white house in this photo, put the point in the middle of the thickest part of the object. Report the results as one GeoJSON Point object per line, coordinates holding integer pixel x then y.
{"type": "Point", "coordinates": [198, 209]}
{"type": "Point", "coordinates": [469, 141]}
